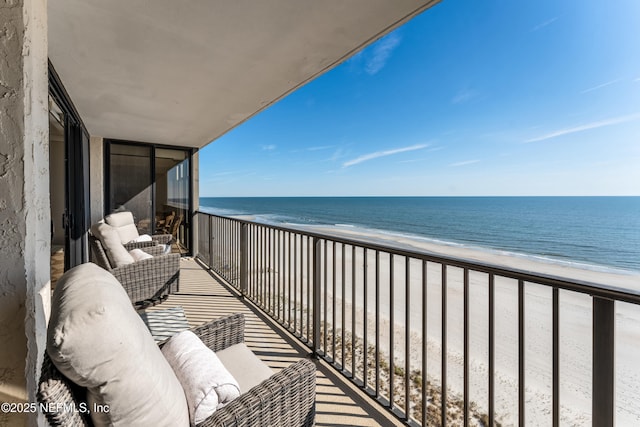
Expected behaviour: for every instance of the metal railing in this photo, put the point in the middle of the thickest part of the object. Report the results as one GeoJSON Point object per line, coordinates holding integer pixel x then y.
{"type": "Point", "coordinates": [368, 309]}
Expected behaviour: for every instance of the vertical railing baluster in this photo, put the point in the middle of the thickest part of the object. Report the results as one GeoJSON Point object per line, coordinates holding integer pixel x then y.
{"type": "Point", "coordinates": [289, 270]}
{"type": "Point", "coordinates": [425, 343]}
{"type": "Point", "coordinates": [391, 333]}
{"type": "Point", "coordinates": [244, 259]}
{"type": "Point", "coordinates": [344, 314]}
{"type": "Point", "coordinates": [278, 275]}
{"type": "Point", "coordinates": [324, 306]}
{"type": "Point", "coordinates": [407, 338]}
{"type": "Point", "coordinates": [491, 386]}
{"type": "Point", "coordinates": [310, 248]}
{"type": "Point", "coordinates": [333, 301]}
{"type": "Point", "coordinates": [317, 259]}
{"type": "Point", "coordinates": [211, 244]}
{"type": "Point", "coordinates": [465, 374]}
{"type": "Point", "coordinates": [521, 355]}
{"type": "Point", "coordinates": [603, 370]}
{"type": "Point", "coordinates": [556, 358]}
{"type": "Point", "coordinates": [265, 301]}
{"type": "Point", "coordinates": [365, 344]}
{"type": "Point", "coordinates": [270, 271]}
{"type": "Point", "coordinates": [443, 385]}
{"type": "Point", "coordinates": [353, 312]}
{"type": "Point", "coordinates": [295, 283]}
{"type": "Point", "coordinates": [377, 323]}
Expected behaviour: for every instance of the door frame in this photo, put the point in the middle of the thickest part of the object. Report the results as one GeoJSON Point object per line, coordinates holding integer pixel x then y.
{"type": "Point", "coordinates": [77, 178]}
{"type": "Point", "coordinates": [107, 180]}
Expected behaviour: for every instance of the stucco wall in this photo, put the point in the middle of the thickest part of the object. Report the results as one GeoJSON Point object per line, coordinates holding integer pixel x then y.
{"type": "Point", "coordinates": [24, 200]}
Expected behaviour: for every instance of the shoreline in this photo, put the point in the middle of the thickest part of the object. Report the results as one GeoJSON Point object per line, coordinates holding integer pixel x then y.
{"type": "Point", "coordinates": [602, 275]}
{"type": "Point", "coordinates": [574, 269]}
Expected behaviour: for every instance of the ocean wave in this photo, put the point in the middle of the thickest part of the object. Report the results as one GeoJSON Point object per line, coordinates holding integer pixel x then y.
{"type": "Point", "coordinates": [413, 241]}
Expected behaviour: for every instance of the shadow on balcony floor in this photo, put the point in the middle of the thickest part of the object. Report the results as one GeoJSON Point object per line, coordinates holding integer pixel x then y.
{"type": "Point", "coordinates": [338, 402]}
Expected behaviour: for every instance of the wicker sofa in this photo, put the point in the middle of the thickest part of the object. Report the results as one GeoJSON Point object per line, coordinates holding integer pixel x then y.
{"type": "Point", "coordinates": [84, 339]}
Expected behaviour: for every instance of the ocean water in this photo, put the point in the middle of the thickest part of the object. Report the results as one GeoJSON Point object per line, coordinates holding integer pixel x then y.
{"type": "Point", "coordinates": [592, 232]}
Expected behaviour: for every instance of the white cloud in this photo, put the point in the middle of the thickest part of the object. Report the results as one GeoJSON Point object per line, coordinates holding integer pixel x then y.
{"type": "Point", "coordinates": [269, 147]}
{"type": "Point", "coordinates": [600, 86]}
{"type": "Point", "coordinates": [592, 125]}
{"type": "Point", "coordinates": [464, 163]}
{"type": "Point", "coordinates": [544, 24]}
{"type": "Point", "coordinates": [320, 147]}
{"type": "Point", "coordinates": [377, 154]}
{"type": "Point", "coordinates": [381, 52]}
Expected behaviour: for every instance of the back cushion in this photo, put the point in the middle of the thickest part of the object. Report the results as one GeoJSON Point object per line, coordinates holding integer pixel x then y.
{"type": "Point", "coordinates": [124, 224]}
{"type": "Point", "coordinates": [98, 341]}
{"type": "Point", "coordinates": [108, 236]}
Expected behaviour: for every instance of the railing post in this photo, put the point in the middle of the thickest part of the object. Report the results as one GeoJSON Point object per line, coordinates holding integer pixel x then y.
{"type": "Point", "coordinates": [603, 396]}
{"type": "Point", "coordinates": [244, 258]}
{"type": "Point", "coordinates": [210, 242]}
{"type": "Point", "coordinates": [317, 261]}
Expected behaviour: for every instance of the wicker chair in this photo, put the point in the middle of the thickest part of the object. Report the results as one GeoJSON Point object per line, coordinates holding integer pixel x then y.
{"type": "Point", "coordinates": [147, 282]}
{"type": "Point", "coordinates": [285, 399]}
{"type": "Point", "coordinates": [125, 218]}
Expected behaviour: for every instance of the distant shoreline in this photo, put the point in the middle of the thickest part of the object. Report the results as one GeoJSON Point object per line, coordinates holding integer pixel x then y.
{"type": "Point", "coordinates": [604, 275]}
{"type": "Point", "coordinates": [599, 233]}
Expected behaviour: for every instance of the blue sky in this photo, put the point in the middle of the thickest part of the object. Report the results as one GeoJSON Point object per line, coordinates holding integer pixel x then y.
{"type": "Point", "coordinates": [495, 97]}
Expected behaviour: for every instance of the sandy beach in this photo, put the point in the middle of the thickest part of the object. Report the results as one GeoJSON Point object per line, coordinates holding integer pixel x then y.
{"type": "Point", "coordinates": [575, 328]}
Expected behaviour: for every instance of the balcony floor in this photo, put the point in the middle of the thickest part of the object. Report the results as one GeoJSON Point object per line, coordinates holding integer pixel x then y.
{"type": "Point", "coordinates": [204, 298]}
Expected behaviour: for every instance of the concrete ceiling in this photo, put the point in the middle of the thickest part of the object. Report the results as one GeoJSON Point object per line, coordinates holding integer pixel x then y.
{"type": "Point", "coordinates": [185, 73]}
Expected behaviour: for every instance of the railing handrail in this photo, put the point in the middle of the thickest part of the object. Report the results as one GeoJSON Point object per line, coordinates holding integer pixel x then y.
{"type": "Point", "coordinates": [576, 285]}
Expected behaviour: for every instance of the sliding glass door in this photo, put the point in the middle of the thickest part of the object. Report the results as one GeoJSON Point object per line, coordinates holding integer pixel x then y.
{"type": "Point", "coordinates": [154, 183]}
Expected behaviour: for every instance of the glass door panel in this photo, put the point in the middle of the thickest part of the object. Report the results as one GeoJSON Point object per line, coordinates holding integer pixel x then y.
{"type": "Point", "coordinates": [131, 183]}
{"type": "Point", "coordinates": [172, 194]}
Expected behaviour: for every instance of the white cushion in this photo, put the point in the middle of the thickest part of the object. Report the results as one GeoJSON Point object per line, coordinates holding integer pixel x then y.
{"type": "Point", "coordinates": [139, 254]}
{"type": "Point", "coordinates": [245, 366]}
{"type": "Point", "coordinates": [207, 384]}
{"type": "Point", "coordinates": [142, 238]}
{"type": "Point", "coordinates": [98, 341]}
{"type": "Point", "coordinates": [108, 236]}
{"type": "Point", "coordinates": [123, 222]}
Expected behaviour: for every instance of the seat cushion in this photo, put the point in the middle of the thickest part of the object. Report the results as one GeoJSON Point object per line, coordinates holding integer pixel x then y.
{"type": "Point", "coordinates": [124, 224]}
{"type": "Point", "coordinates": [245, 366]}
{"type": "Point", "coordinates": [110, 239]}
{"type": "Point", "coordinates": [96, 338]}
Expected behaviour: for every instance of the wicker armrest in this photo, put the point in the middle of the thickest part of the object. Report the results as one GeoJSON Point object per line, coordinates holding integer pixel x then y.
{"type": "Point", "coordinates": [222, 333]}
{"type": "Point", "coordinates": [285, 399]}
{"type": "Point", "coordinates": [154, 250]}
{"type": "Point", "coordinates": [150, 278]}
{"type": "Point", "coordinates": [162, 239]}
{"type": "Point", "coordinates": [156, 239]}
{"type": "Point", "coordinates": [139, 245]}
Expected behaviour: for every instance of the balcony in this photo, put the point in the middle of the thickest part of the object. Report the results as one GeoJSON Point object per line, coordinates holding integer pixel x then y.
{"type": "Point", "coordinates": [410, 330]}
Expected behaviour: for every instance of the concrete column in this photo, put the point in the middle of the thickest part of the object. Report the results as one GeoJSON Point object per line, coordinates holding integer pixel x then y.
{"type": "Point", "coordinates": [96, 166]}
{"type": "Point", "coordinates": [195, 196]}
{"type": "Point", "coordinates": [25, 228]}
